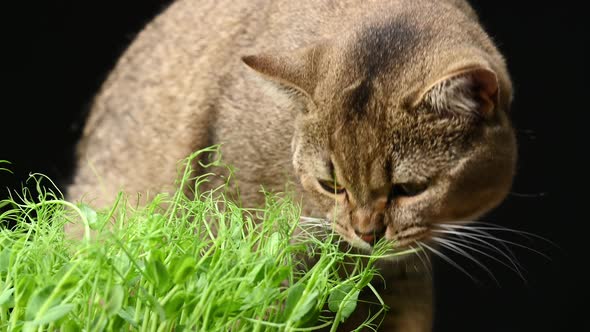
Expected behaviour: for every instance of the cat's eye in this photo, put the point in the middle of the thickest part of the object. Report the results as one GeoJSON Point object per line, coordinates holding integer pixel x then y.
{"type": "Point", "coordinates": [408, 189]}
{"type": "Point", "coordinates": [332, 187]}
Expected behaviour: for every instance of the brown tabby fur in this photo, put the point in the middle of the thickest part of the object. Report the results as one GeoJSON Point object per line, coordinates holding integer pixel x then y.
{"type": "Point", "coordinates": [376, 93]}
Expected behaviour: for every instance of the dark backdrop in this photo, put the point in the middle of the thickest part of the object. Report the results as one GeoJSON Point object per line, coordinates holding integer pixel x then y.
{"type": "Point", "coordinates": [60, 52]}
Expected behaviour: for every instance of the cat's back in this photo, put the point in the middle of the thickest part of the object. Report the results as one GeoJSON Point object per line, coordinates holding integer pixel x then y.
{"type": "Point", "coordinates": [157, 103]}
{"type": "Point", "coordinates": [181, 85]}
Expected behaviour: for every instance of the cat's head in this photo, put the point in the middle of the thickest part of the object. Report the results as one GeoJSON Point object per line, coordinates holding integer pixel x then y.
{"type": "Point", "coordinates": [392, 139]}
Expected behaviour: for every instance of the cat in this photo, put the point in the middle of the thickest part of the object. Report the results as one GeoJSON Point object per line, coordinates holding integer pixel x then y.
{"type": "Point", "coordinates": [390, 117]}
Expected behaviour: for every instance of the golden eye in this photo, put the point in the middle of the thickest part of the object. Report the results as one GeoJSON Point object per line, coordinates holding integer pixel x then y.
{"type": "Point", "coordinates": [332, 187]}
{"type": "Point", "coordinates": [408, 189]}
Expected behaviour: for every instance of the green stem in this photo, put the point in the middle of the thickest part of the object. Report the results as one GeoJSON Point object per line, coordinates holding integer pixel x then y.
{"type": "Point", "coordinates": [16, 311]}
{"type": "Point", "coordinates": [3, 315]}
{"type": "Point", "coordinates": [90, 300]}
{"type": "Point", "coordinates": [146, 313]}
{"type": "Point", "coordinates": [171, 293]}
{"type": "Point", "coordinates": [54, 293]}
{"type": "Point", "coordinates": [71, 206]}
{"type": "Point", "coordinates": [137, 306]}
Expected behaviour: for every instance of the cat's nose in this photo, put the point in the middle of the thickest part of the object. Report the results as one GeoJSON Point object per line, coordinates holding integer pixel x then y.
{"type": "Point", "coordinates": [365, 220]}
{"type": "Point", "coordinates": [368, 225]}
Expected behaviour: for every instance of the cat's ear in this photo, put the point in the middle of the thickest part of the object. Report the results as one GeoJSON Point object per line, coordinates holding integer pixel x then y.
{"type": "Point", "coordinates": [471, 92]}
{"type": "Point", "coordinates": [296, 69]}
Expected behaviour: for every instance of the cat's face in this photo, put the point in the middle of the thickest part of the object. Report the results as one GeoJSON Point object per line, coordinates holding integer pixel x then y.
{"type": "Point", "coordinates": [399, 174]}
{"type": "Point", "coordinates": [379, 166]}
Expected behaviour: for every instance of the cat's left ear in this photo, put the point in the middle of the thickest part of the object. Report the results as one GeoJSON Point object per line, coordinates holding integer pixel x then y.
{"type": "Point", "coordinates": [471, 92]}
{"type": "Point", "coordinates": [297, 69]}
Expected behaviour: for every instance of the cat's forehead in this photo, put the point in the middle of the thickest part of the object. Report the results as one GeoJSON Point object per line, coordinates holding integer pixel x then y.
{"type": "Point", "coordinates": [384, 46]}
{"type": "Point", "coordinates": [398, 141]}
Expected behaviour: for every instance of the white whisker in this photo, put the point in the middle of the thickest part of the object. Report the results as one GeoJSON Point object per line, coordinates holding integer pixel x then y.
{"type": "Point", "coordinates": [514, 267]}
{"type": "Point", "coordinates": [476, 233]}
{"type": "Point", "coordinates": [453, 247]}
{"type": "Point", "coordinates": [426, 265]}
{"type": "Point", "coordinates": [448, 260]}
{"type": "Point", "coordinates": [312, 218]}
{"type": "Point", "coordinates": [486, 235]}
{"type": "Point", "coordinates": [495, 227]}
{"type": "Point", "coordinates": [425, 253]}
{"type": "Point", "coordinates": [485, 244]}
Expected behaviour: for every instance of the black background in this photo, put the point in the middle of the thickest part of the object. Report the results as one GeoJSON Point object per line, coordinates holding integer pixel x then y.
{"type": "Point", "coordinates": [60, 52]}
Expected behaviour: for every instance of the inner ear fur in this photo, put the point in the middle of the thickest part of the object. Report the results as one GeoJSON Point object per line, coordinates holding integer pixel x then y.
{"type": "Point", "coordinates": [297, 69]}
{"type": "Point", "coordinates": [472, 91]}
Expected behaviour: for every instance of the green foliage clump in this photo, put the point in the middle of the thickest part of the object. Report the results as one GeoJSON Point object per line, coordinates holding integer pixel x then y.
{"type": "Point", "coordinates": [177, 263]}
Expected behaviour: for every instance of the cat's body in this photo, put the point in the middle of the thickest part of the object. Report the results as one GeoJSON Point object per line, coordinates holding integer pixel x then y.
{"type": "Point", "coordinates": [389, 97]}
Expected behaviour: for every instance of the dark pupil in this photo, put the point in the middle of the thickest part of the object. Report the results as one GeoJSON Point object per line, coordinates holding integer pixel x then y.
{"type": "Point", "coordinates": [407, 189]}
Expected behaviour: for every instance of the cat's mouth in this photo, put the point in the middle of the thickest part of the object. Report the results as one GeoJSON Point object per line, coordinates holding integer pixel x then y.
{"type": "Point", "coordinates": [403, 237]}
{"type": "Point", "coordinates": [371, 238]}
{"type": "Point", "coordinates": [400, 237]}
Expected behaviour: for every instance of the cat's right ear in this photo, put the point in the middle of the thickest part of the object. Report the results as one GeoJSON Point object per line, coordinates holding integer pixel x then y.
{"type": "Point", "coordinates": [297, 69]}
{"type": "Point", "coordinates": [472, 91]}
